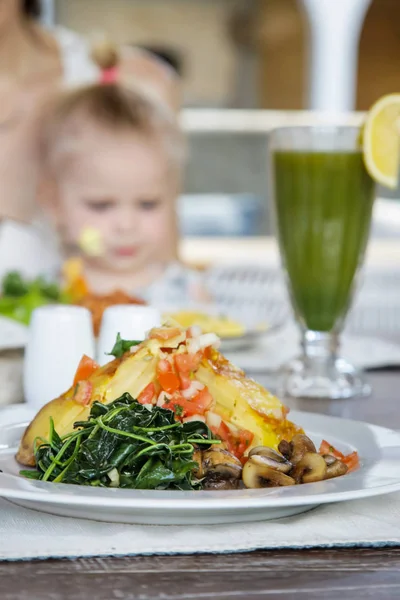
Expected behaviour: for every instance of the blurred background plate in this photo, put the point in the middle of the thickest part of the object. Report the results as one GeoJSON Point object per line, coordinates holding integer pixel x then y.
{"type": "Point", "coordinates": [239, 322]}
{"type": "Point", "coordinates": [13, 335]}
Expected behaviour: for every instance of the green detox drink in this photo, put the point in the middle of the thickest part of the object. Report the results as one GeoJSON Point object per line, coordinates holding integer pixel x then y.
{"type": "Point", "coordinates": [323, 203]}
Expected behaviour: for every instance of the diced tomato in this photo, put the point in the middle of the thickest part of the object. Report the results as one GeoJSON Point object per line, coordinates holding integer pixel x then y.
{"type": "Point", "coordinates": [185, 380]}
{"type": "Point", "coordinates": [169, 382]}
{"type": "Point", "coordinates": [191, 408]}
{"type": "Point", "coordinates": [164, 333]}
{"type": "Point", "coordinates": [181, 407]}
{"type": "Point", "coordinates": [327, 448]}
{"type": "Point", "coordinates": [352, 461]}
{"type": "Point", "coordinates": [245, 439]}
{"type": "Point", "coordinates": [203, 401]}
{"type": "Point", "coordinates": [224, 432]}
{"type": "Point", "coordinates": [186, 408]}
{"type": "Point", "coordinates": [86, 368]}
{"type": "Point", "coordinates": [164, 366]}
{"type": "Point", "coordinates": [83, 392]}
{"type": "Point", "coordinates": [196, 406]}
{"type": "Point", "coordinates": [167, 378]}
{"type": "Point", "coordinates": [187, 363]}
{"type": "Point", "coordinates": [236, 443]}
{"type": "Point", "coordinates": [147, 395]}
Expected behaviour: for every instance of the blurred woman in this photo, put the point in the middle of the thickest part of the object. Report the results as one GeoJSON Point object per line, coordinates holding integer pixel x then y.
{"type": "Point", "coordinates": [34, 63]}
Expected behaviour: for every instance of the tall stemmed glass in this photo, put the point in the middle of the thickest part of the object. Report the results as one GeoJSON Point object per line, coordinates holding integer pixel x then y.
{"type": "Point", "coordinates": [323, 198]}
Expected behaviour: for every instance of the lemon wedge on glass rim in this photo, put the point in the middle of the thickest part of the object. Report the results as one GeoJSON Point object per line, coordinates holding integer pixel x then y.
{"type": "Point", "coordinates": [381, 140]}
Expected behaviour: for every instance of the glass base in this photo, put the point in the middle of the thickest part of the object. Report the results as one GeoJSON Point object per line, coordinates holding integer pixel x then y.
{"type": "Point", "coordinates": [336, 380]}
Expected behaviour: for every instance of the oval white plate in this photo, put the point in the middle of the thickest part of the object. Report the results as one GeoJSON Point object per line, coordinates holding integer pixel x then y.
{"type": "Point", "coordinates": [379, 474]}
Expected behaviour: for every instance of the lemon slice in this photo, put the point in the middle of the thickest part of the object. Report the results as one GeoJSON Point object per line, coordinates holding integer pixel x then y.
{"type": "Point", "coordinates": [381, 140]}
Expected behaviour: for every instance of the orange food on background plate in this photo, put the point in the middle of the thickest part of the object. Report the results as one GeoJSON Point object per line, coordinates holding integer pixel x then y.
{"type": "Point", "coordinates": [77, 289]}
{"type": "Point", "coordinates": [97, 304]}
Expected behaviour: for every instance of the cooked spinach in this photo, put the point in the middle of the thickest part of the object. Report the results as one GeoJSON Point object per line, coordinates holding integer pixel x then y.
{"type": "Point", "coordinates": [121, 346]}
{"type": "Point", "coordinates": [124, 444]}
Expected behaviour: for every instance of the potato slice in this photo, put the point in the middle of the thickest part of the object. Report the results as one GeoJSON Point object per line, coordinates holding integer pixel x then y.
{"type": "Point", "coordinates": [130, 374]}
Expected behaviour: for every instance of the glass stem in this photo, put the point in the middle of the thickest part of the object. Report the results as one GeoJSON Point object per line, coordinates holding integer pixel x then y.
{"type": "Point", "coordinates": [320, 351]}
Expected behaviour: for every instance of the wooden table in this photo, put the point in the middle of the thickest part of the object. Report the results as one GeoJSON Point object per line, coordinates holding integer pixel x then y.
{"type": "Point", "coordinates": [302, 574]}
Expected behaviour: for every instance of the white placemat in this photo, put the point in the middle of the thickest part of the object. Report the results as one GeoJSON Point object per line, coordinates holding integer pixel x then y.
{"type": "Point", "coordinates": [27, 534]}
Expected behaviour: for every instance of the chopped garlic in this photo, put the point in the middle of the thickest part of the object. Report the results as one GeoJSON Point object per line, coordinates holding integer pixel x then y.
{"type": "Point", "coordinates": [163, 396]}
{"type": "Point", "coordinates": [194, 418]}
{"type": "Point", "coordinates": [113, 476]}
{"type": "Point", "coordinates": [195, 331]}
{"type": "Point", "coordinates": [203, 341]}
{"type": "Point", "coordinates": [195, 386]}
{"type": "Point", "coordinates": [213, 420]}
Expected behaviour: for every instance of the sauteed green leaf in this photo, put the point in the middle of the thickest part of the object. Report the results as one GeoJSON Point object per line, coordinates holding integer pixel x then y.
{"type": "Point", "coordinates": [124, 444]}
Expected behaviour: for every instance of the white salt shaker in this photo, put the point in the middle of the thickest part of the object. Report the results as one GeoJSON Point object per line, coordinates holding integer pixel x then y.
{"type": "Point", "coordinates": [131, 321]}
{"type": "Point", "coordinates": [58, 337]}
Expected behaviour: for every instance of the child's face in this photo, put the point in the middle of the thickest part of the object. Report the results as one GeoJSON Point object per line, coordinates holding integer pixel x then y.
{"type": "Point", "coordinates": [122, 186]}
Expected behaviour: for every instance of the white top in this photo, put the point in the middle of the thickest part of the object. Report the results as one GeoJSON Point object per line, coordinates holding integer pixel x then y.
{"type": "Point", "coordinates": [19, 123]}
{"type": "Point", "coordinates": [177, 287]}
{"type": "Point", "coordinates": [78, 67]}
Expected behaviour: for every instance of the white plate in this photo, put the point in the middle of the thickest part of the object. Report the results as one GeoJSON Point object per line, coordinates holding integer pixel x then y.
{"type": "Point", "coordinates": [256, 323]}
{"type": "Point", "coordinates": [379, 474]}
{"type": "Point", "coordinates": [13, 335]}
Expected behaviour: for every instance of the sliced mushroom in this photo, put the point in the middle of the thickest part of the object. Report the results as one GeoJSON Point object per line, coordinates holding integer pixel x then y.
{"type": "Point", "coordinates": [218, 483]}
{"type": "Point", "coordinates": [258, 474]}
{"type": "Point", "coordinates": [221, 463]}
{"type": "Point", "coordinates": [312, 467]}
{"type": "Point", "coordinates": [274, 459]}
{"type": "Point", "coordinates": [329, 459]}
{"type": "Point", "coordinates": [334, 467]}
{"type": "Point", "coordinates": [285, 448]}
{"type": "Point", "coordinates": [300, 445]}
{"type": "Point", "coordinates": [199, 471]}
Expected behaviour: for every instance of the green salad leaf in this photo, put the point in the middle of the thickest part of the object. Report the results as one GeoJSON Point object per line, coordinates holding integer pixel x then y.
{"type": "Point", "coordinates": [121, 346]}
{"type": "Point", "coordinates": [19, 297]}
{"type": "Point", "coordinates": [124, 444]}
{"type": "Point", "coordinates": [14, 285]}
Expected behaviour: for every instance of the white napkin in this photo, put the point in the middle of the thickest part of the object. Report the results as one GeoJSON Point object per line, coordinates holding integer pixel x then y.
{"type": "Point", "coordinates": [277, 348]}
{"type": "Point", "coordinates": [27, 534]}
